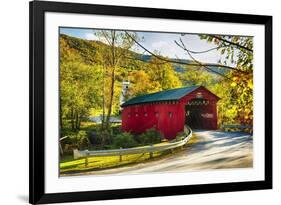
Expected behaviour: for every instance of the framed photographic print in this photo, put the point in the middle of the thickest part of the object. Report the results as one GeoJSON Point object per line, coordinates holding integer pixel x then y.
{"type": "Point", "coordinates": [139, 102]}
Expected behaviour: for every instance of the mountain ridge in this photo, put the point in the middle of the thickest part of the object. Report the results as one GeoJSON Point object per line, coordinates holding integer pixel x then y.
{"type": "Point", "coordinates": [87, 49]}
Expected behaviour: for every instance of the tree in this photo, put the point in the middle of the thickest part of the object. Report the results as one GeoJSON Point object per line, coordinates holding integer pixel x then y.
{"type": "Point", "coordinates": [237, 50]}
{"type": "Point", "coordinates": [237, 104]}
{"type": "Point", "coordinates": [163, 73]}
{"type": "Point", "coordinates": [113, 55]}
{"type": "Point", "coordinates": [141, 83]}
{"type": "Point", "coordinates": [235, 84]}
{"type": "Point", "coordinates": [79, 86]}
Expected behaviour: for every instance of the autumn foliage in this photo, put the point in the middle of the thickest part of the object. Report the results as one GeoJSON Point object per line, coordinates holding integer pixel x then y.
{"type": "Point", "coordinates": [92, 72]}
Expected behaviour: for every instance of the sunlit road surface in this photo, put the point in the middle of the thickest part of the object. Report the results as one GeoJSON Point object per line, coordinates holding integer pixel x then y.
{"type": "Point", "coordinates": [209, 150]}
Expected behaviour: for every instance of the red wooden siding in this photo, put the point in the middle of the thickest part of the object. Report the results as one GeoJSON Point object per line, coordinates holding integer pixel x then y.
{"type": "Point", "coordinates": [168, 117]}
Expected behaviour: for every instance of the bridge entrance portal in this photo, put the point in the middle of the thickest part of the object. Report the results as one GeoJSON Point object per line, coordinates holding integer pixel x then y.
{"type": "Point", "coordinates": [199, 114]}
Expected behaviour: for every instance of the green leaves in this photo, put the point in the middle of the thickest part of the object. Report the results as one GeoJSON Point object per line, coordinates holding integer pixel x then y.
{"type": "Point", "coordinates": [88, 67]}
{"type": "Point", "coordinates": [236, 104]}
{"type": "Point", "coordinates": [150, 136]}
{"type": "Point", "coordinates": [163, 73]}
{"type": "Point", "coordinates": [79, 85]}
{"type": "Point", "coordinates": [124, 140]}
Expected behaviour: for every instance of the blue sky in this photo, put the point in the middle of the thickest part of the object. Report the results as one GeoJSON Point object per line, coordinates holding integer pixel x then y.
{"type": "Point", "coordinates": [160, 42]}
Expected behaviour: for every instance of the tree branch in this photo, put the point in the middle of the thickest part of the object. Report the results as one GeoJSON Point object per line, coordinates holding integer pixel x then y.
{"type": "Point", "coordinates": [235, 44]}
{"type": "Point", "coordinates": [180, 62]}
{"type": "Point", "coordinates": [198, 52]}
{"type": "Point", "coordinates": [206, 67]}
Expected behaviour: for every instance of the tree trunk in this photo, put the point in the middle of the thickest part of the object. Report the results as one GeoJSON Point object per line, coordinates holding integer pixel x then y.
{"type": "Point", "coordinates": [111, 98]}
{"type": "Point", "coordinates": [72, 120]}
{"type": "Point", "coordinates": [76, 121]}
{"type": "Point", "coordinates": [103, 100]}
{"type": "Point", "coordinates": [61, 125]}
{"type": "Point", "coordinates": [79, 122]}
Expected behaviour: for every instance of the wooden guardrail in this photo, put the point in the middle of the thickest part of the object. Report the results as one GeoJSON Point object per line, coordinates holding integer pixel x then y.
{"type": "Point", "coordinates": [137, 150]}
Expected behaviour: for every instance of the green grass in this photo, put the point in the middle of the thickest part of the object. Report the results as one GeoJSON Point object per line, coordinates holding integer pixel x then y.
{"type": "Point", "coordinates": [70, 165]}
{"type": "Point", "coordinates": [102, 162]}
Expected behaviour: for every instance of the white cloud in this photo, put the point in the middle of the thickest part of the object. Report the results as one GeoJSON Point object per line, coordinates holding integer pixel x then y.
{"type": "Point", "coordinates": [159, 45]}
{"type": "Point", "coordinates": [167, 48]}
{"type": "Point", "coordinates": [91, 36]}
{"type": "Point", "coordinates": [94, 37]}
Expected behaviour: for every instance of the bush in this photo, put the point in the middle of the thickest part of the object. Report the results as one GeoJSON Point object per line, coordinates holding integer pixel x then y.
{"type": "Point", "coordinates": [67, 132]}
{"type": "Point", "coordinates": [180, 136]}
{"type": "Point", "coordinates": [100, 136]}
{"type": "Point", "coordinates": [83, 141]}
{"type": "Point", "coordinates": [150, 136]}
{"type": "Point", "coordinates": [124, 140]}
{"type": "Point", "coordinates": [78, 140]}
{"type": "Point", "coordinates": [103, 138]}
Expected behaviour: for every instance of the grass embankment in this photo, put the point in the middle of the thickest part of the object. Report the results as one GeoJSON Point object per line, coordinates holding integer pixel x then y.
{"type": "Point", "coordinates": [70, 165]}
{"type": "Point", "coordinates": [103, 162]}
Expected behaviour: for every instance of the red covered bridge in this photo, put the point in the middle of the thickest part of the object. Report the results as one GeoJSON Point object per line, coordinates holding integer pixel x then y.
{"type": "Point", "coordinates": [168, 111]}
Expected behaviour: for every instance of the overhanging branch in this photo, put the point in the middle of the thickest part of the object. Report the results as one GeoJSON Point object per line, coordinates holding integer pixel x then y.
{"type": "Point", "coordinates": [180, 62]}
{"type": "Point", "coordinates": [232, 43]}
{"type": "Point", "coordinates": [204, 66]}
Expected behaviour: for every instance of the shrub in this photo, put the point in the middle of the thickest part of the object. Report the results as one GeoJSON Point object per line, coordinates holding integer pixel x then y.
{"type": "Point", "coordinates": [105, 136]}
{"type": "Point", "coordinates": [68, 148]}
{"type": "Point", "coordinates": [124, 140]}
{"type": "Point", "coordinates": [79, 140]}
{"type": "Point", "coordinates": [180, 136]}
{"type": "Point", "coordinates": [83, 141]}
{"type": "Point", "coordinates": [101, 136]}
{"type": "Point", "coordinates": [150, 136]}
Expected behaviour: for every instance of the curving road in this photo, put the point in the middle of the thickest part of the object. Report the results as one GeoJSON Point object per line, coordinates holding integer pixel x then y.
{"type": "Point", "coordinates": [207, 150]}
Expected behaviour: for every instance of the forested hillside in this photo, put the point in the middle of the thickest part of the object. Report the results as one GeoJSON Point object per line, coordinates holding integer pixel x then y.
{"type": "Point", "coordinates": [92, 72]}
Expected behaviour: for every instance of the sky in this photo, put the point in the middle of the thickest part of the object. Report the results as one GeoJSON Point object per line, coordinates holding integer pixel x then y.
{"type": "Point", "coordinates": [163, 43]}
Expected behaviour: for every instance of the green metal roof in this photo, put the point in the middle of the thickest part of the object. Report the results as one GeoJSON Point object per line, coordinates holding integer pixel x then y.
{"type": "Point", "coordinates": [174, 94]}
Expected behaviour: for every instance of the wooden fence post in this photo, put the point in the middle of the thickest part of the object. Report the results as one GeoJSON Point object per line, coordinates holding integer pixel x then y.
{"type": "Point", "coordinates": [151, 153]}
{"type": "Point", "coordinates": [120, 156]}
{"type": "Point", "coordinates": [86, 159]}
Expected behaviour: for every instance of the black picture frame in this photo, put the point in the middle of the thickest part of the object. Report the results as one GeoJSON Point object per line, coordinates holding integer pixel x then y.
{"type": "Point", "coordinates": [37, 194]}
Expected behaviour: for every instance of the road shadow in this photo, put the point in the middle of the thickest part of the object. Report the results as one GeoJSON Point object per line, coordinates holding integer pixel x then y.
{"type": "Point", "coordinates": [220, 139]}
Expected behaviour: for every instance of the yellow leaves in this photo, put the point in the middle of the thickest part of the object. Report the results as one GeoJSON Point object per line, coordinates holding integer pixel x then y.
{"type": "Point", "coordinates": [235, 81]}
{"type": "Point", "coordinates": [250, 84]}
{"type": "Point", "coordinates": [233, 84]}
{"type": "Point", "coordinates": [235, 78]}
{"type": "Point", "coordinates": [142, 83]}
{"type": "Point", "coordinates": [247, 110]}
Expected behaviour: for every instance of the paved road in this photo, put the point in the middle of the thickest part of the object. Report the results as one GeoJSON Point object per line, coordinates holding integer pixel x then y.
{"type": "Point", "coordinates": [207, 150]}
